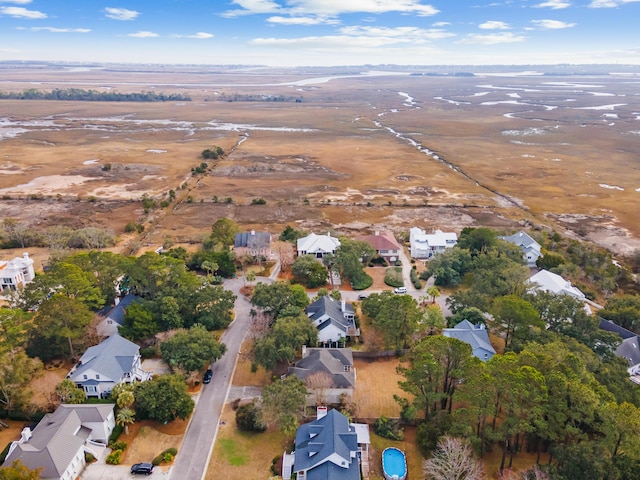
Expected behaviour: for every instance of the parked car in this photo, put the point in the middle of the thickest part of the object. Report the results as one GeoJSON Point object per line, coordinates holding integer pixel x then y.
{"type": "Point", "coordinates": [207, 376]}
{"type": "Point", "coordinates": [142, 469]}
{"type": "Point", "coordinates": [362, 296]}
{"type": "Point", "coordinates": [400, 290]}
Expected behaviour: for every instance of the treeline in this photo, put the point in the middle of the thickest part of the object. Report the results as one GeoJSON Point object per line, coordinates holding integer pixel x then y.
{"type": "Point", "coordinates": [237, 97]}
{"type": "Point", "coordinates": [80, 94]}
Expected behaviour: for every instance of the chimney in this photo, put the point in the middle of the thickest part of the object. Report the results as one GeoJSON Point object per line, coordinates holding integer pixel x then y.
{"type": "Point", "coordinates": [343, 306]}
{"type": "Point", "coordinates": [376, 233]}
{"type": "Point", "coordinates": [253, 232]}
{"type": "Point", "coordinates": [25, 435]}
{"type": "Point", "coordinates": [25, 255]}
{"type": "Point", "coordinates": [304, 351]}
{"type": "Point", "coordinates": [321, 411]}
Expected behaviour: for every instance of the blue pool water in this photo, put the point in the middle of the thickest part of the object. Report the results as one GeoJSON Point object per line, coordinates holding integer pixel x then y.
{"type": "Point", "coordinates": [394, 464]}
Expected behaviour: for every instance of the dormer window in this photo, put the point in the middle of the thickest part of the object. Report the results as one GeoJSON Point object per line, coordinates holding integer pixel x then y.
{"type": "Point", "coordinates": [97, 376]}
{"type": "Point", "coordinates": [85, 377]}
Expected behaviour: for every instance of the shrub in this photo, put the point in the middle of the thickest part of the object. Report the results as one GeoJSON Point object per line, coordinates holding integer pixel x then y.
{"type": "Point", "coordinates": [118, 445]}
{"type": "Point", "coordinates": [258, 201]}
{"type": "Point", "coordinates": [415, 279]}
{"type": "Point", "coordinates": [115, 433]}
{"type": "Point", "coordinates": [114, 457]}
{"type": "Point", "coordinates": [166, 456]}
{"type": "Point", "coordinates": [249, 418]}
{"type": "Point", "coordinates": [389, 428]}
{"type": "Point", "coordinates": [393, 277]}
{"type": "Point", "coordinates": [362, 283]}
{"type": "Point", "coordinates": [89, 458]}
{"type": "Point", "coordinates": [148, 352]}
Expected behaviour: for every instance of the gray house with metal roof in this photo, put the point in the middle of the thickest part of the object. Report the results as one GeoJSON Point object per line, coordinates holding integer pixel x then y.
{"type": "Point", "coordinates": [114, 360]}
{"type": "Point", "coordinates": [58, 443]}
{"type": "Point", "coordinates": [475, 335]}
{"type": "Point", "coordinates": [114, 318]}
{"type": "Point", "coordinates": [531, 249]}
{"type": "Point", "coordinates": [252, 243]}
{"type": "Point", "coordinates": [327, 449]}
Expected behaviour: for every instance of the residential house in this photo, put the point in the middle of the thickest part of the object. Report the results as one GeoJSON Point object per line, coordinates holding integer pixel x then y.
{"type": "Point", "coordinates": [475, 335]}
{"type": "Point", "coordinates": [317, 245]}
{"type": "Point", "coordinates": [114, 360]}
{"type": "Point", "coordinates": [424, 245]}
{"type": "Point", "coordinates": [385, 245]}
{"type": "Point", "coordinates": [254, 244]}
{"type": "Point", "coordinates": [334, 319]}
{"type": "Point", "coordinates": [629, 348]}
{"type": "Point", "coordinates": [114, 317]}
{"type": "Point", "coordinates": [16, 273]}
{"type": "Point", "coordinates": [329, 448]}
{"type": "Point", "coordinates": [336, 364]}
{"type": "Point", "coordinates": [58, 443]}
{"type": "Point", "coordinates": [531, 250]}
{"type": "Point", "coordinates": [553, 283]}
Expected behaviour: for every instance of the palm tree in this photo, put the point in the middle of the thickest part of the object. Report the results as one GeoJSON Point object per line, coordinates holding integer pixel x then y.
{"type": "Point", "coordinates": [433, 292]}
{"type": "Point", "coordinates": [209, 267]}
{"type": "Point", "coordinates": [125, 399]}
{"type": "Point", "coordinates": [126, 417]}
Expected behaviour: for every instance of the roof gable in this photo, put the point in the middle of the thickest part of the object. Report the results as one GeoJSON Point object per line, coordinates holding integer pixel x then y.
{"type": "Point", "coordinates": [331, 310]}
{"type": "Point", "coordinates": [110, 358]}
{"type": "Point", "coordinates": [313, 243]}
{"type": "Point", "coordinates": [331, 361]}
{"type": "Point", "coordinates": [554, 283]}
{"type": "Point", "coordinates": [474, 335]}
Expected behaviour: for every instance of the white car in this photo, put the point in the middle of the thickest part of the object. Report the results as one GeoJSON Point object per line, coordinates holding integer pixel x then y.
{"type": "Point", "coordinates": [400, 290]}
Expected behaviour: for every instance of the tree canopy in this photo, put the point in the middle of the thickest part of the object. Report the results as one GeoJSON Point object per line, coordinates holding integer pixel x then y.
{"type": "Point", "coordinates": [164, 399]}
{"type": "Point", "coordinates": [192, 349]}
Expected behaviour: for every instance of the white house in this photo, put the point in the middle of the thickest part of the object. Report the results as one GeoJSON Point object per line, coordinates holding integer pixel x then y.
{"type": "Point", "coordinates": [531, 250]}
{"type": "Point", "coordinates": [114, 360]}
{"type": "Point", "coordinates": [317, 245]}
{"type": "Point", "coordinates": [16, 273]}
{"type": "Point", "coordinates": [334, 320]}
{"type": "Point", "coordinates": [424, 245]}
{"type": "Point", "coordinates": [58, 443]}
{"type": "Point", "coordinates": [553, 283]}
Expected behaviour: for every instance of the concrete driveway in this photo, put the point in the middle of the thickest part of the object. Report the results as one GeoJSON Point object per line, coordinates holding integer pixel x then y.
{"type": "Point", "coordinates": [102, 471]}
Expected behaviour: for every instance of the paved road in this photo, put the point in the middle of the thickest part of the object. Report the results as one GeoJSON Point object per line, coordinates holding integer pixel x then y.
{"type": "Point", "coordinates": [194, 454]}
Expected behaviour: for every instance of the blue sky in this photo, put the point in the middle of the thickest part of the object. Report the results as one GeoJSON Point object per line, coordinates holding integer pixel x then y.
{"type": "Point", "coordinates": [322, 32]}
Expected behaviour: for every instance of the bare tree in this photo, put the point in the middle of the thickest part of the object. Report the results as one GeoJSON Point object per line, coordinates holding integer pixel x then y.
{"type": "Point", "coordinates": [319, 383]}
{"type": "Point", "coordinates": [453, 459]}
{"type": "Point", "coordinates": [533, 473]}
{"type": "Point", "coordinates": [285, 252]}
{"type": "Point", "coordinates": [259, 325]}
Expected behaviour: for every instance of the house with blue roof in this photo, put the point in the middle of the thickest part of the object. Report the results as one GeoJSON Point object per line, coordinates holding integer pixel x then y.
{"type": "Point", "coordinates": [531, 250]}
{"type": "Point", "coordinates": [329, 448]}
{"type": "Point", "coordinates": [113, 361]}
{"type": "Point", "coordinates": [475, 335]}
{"type": "Point", "coordinates": [114, 318]}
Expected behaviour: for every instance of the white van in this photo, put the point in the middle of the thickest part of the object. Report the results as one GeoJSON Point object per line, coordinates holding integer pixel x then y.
{"type": "Point", "coordinates": [400, 290]}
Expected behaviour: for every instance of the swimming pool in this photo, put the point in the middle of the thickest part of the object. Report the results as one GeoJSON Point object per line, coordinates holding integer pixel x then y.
{"type": "Point", "coordinates": [394, 464]}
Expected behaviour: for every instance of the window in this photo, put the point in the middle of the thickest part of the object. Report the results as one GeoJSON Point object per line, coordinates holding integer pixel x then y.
{"type": "Point", "coordinates": [97, 376]}
{"type": "Point", "coordinates": [85, 377]}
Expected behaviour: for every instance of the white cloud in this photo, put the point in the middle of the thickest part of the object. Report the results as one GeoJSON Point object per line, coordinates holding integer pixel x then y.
{"type": "Point", "coordinates": [403, 33]}
{"type": "Point", "coordinates": [302, 20]}
{"type": "Point", "coordinates": [494, 25]}
{"type": "Point", "coordinates": [199, 36]}
{"type": "Point", "coordinates": [609, 3]}
{"type": "Point", "coordinates": [329, 43]}
{"type": "Point", "coordinates": [553, 4]}
{"type": "Point", "coordinates": [56, 30]}
{"type": "Point", "coordinates": [19, 12]}
{"type": "Point", "coordinates": [143, 34]}
{"type": "Point", "coordinates": [440, 24]}
{"type": "Point", "coordinates": [552, 24]}
{"type": "Point", "coordinates": [331, 8]}
{"type": "Point", "coordinates": [120, 14]}
{"type": "Point", "coordinates": [20, 2]}
{"type": "Point", "coordinates": [492, 38]}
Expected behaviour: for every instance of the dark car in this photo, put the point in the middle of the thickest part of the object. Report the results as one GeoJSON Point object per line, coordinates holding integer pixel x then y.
{"type": "Point", "coordinates": [142, 469]}
{"type": "Point", "coordinates": [207, 376]}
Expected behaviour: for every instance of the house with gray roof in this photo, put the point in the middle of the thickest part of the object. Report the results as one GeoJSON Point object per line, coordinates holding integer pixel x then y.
{"type": "Point", "coordinates": [253, 244]}
{"type": "Point", "coordinates": [114, 360]}
{"type": "Point", "coordinates": [334, 319]}
{"type": "Point", "coordinates": [334, 363]}
{"type": "Point", "coordinates": [114, 317]}
{"type": "Point", "coordinates": [475, 335]}
{"type": "Point", "coordinates": [531, 249]}
{"type": "Point", "coordinates": [329, 448]}
{"type": "Point", "coordinates": [554, 283]}
{"type": "Point", "coordinates": [629, 348]}
{"type": "Point", "coordinates": [58, 443]}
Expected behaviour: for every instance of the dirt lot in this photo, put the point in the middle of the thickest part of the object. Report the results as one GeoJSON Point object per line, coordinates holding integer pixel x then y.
{"type": "Point", "coordinates": [147, 438]}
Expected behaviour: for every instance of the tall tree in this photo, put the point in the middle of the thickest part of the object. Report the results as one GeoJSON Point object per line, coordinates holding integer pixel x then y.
{"type": "Point", "coordinates": [126, 417]}
{"type": "Point", "coordinates": [60, 320]}
{"type": "Point", "coordinates": [398, 320]}
{"type": "Point", "coordinates": [223, 234]}
{"type": "Point", "coordinates": [517, 318]}
{"type": "Point", "coordinates": [283, 403]}
{"type": "Point", "coordinates": [309, 272]}
{"type": "Point", "coordinates": [18, 471]}
{"type": "Point", "coordinates": [17, 371]}
{"type": "Point", "coordinates": [211, 306]}
{"type": "Point", "coordinates": [272, 298]}
{"type": "Point", "coordinates": [68, 392]}
{"type": "Point", "coordinates": [192, 349]}
{"type": "Point", "coordinates": [284, 340]}
{"type": "Point", "coordinates": [164, 399]}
